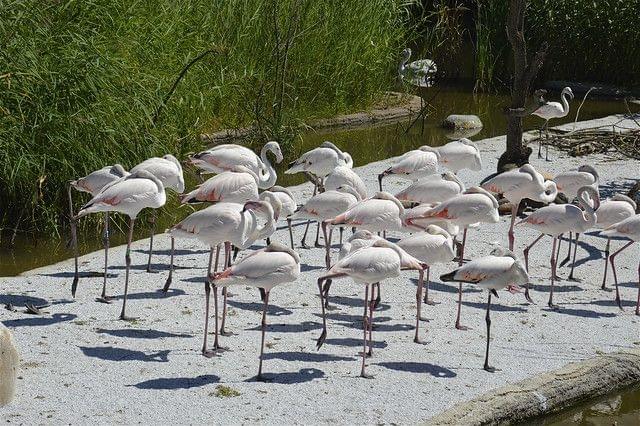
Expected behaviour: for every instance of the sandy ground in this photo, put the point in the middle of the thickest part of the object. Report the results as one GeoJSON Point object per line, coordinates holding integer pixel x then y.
{"type": "Point", "coordinates": [80, 364]}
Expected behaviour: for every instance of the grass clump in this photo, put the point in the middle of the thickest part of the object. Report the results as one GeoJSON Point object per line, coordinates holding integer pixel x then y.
{"type": "Point", "coordinates": [223, 391]}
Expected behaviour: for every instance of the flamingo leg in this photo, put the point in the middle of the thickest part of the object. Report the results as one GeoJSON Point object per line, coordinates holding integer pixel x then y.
{"type": "Point", "coordinates": [553, 273]}
{"type": "Point", "coordinates": [606, 263]}
{"type": "Point", "coordinates": [488, 321]}
{"type": "Point", "coordinates": [105, 243]}
{"type": "Point", "coordinates": [152, 220]}
{"type": "Point", "coordinates": [127, 258]}
{"type": "Point", "coordinates": [170, 277]}
{"type": "Point", "coordinates": [526, 251]}
{"type": "Point", "coordinates": [74, 243]}
{"type": "Point", "coordinates": [365, 321]}
{"type": "Point", "coordinates": [207, 291]}
{"type": "Point", "coordinates": [290, 233]}
{"type": "Point", "coordinates": [323, 335]}
{"type": "Point", "coordinates": [573, 262]}
{"type": "Point", "coordinates": [327, 286]}
{"type": "Point", "coordinates": [568, 258]}
{"type": "Point", "coordinates": [327, 245]}
{"type": "Point", "coordinates": [558, 254]}
{"type": "Point", "coordinates": [227, 264]}
{"type": "Point", "coordinates": [317, 243]}
{"type": "Point", "coordinates": [426, 293]}
{"type": "Point", "coordinates": [540, 142]}
{"type": "Point", "coordinates": [464, 241]}
{"type": "Point", "coordinates": [612, 259]}
{"type": "Point", "coordinates": [370, 323]}
{"type": "Point", "coordinates": [380, 176]}
{"type": "Point", "coordinates": [514, 214]}
{"type": "Point", "coordinates": [303, 243]}
{"type": "Point", "coordinates": [416, 338]}
{"type": "Point", "coordinates": [341, 232]}
{"type": "Point", "coordinates": [638, 301]}
{"type": "Point", "coordinates": [378, 298]}
{"type": "Point", "coordinates": [264, 330]}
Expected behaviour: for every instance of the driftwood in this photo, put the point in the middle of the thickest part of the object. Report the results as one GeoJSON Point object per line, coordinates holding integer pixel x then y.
{"type": "Point", "coordinates": [595, 141]}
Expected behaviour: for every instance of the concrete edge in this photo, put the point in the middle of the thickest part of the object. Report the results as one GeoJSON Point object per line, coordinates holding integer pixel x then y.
{"type": "Point", "coordinates": [410, 108]}
{"type": "Point", "coordinates": [548, 393]}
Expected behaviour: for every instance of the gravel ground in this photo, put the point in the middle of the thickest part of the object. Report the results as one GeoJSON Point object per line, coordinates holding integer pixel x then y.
{"type": "Point", "coordinates": [80, 364]}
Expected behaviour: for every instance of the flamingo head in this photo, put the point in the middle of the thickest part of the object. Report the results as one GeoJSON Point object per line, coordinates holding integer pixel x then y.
{"type": "Point", "coordinates": [274, 147]}
{"type": "Point", "coordinates": [568, 91]}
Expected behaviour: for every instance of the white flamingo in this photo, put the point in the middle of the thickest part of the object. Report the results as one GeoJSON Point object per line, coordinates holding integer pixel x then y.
{"type": "Point", "coordinates": [224, 157]}
{"type": "Point", "coordinates": [320, 161]}
{"type": "Point", "coordinates": [557, 219]}
{"type": "Point", "coordinates": [432, 189]}
{"type": "Point", "coordinates": [343, 175]}
{"type": "Point", "coordinates": [418, 73]}
{"type": "Point", "coordinates": [289, 206]}
{"type": "Point", "coordinates": [264, 269]}
{"type": "Point", "coordinates": [502, 269]}
{"type": "Point", "coordinates": [233, 186]}
{"type": "Point", "coordinates": [628, 228]}
{"type": "Point", "coordinates": [371, 265]}
{"type": "Point", "coordinates": [518, 184]}
{"type": "Point", "coordinates": [128, 195]}
{"type": "Point", "coordinates": [169, 171]}
{"type": "Point", "coordinates": [412, 165]}
{"type": "Point", "coordinates": [92, 184]}
{"type": "Point", "coordinates": [611, 211]}
{"type": "Point", "coordinates": [9, 364]}
{"type": "Point", "coordinates": [459, 155]}
{"type": "Point", "coordinates": [475, 205]}
{"type": "Point", "coordinates": [434, 245]}
{"type": "Point", "coordinates": [550, 110]}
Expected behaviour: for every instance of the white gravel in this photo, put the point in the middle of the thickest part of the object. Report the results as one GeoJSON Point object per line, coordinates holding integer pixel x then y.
{"type": "Point", "coordinates": [80, 364]}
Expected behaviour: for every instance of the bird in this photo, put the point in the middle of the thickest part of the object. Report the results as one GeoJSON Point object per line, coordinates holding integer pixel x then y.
{"type": "Point", "coordinates": [432, 189]}
{"type": "Point", "coordinates": [502, 269]}
{"type": "Point", "coordinates": [550, 110]}
{"type": "Point", "coordinates": [264, 269]}
{"type": "Point", "coordinates": [129, 195]}
{"type": "Point", "coordinates": [628, 228]}
{"type": "Point", "coordinates": [557, 219]}
{"type": "Point", "coordinates": [93, 183]}
{"type": "Point", "coordinates": [412, 165]}
{"type": "Point", "coordinates": [475, 205]}
{"type": "Point", "coordinates": [289, 206]}
{"type": "Point", "coordinates": [418, 73]}
{"type": "Point", "coordinates": [234, 186]}
{"type": "Point", "coordinates": [326, 205]}
{"type": "Point", "coordinates": [518, 184]}
{"type": "Point", "coordinates": [611, 211]}
{"type": "Point", "coordinates": [320, 161]}
{"type": "Point", "coordinates": [343, 175]}
{"type": "Point", "coordinates": [169, 171]}
{"type": "Point", "coordinates": [434, 245]}
{"type": "Point", "coordinates": [224, 157]}
{"type": "Point", "coordinates": [371, 265]}
{"type": "Point", "coordinates": [9, 364]}
{"type": "Point", "coordinates": [459, 155]}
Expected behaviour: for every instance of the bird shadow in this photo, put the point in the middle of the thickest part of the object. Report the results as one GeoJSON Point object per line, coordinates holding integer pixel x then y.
{"type": "Point", "coordinates": [305, 267]}
{"type": "Point", "coordinates": [446, 288]}
{"type": "Point", "coordinates": [167, 252]}
{"type": "Point", "coordinates": [593, 252]}
{"type": "Point", "coordinates": [583, 313]}
{"type": "Point", "coordinates": [494, 307]}
{"type": "Point", "coordinates": [301, 376]}
{"type": "Point", "coordinates": [351, 342]}
{"type": "Point", "coordinates": [39, 321]}
{"type": "Point", "coordinates": [85, 274]}
{"type": "Point", "coordinates": [612, 303]}
{"type": "Point", "coordinates": [290, 328]}
{"type": "Point", "coordinates": [419, 367]}
{"type": "Point", "coordinates": [153, 294]}
{"type": "Point", "coordinates": [142, 267]}
{"type": "Point", "coordinates": [617, 186]}
{"type": "Point", "coordinates": [557, 288]}
{"type": "Point", "coordinates": [272, 310]}
{"type": "Point", "coordinates": [349, 318]}
{"type": "Point", "coordinates": [110, 353]}
{"type": "Point", "coordinates": [21, 300]}
{"type": "Point", "coordinates": [174, 383]}
{"type": "Point", "coordinates": [140, 333]}
{"type": "Point", "coordinates": [355, 302]}
{"type": "Point", "coordinates": [306, 356]}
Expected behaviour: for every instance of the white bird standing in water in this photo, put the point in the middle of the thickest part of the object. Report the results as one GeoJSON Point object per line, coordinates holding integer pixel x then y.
{"type": "Point", "coordinates": [459, 155]}
{"type": "Point", "coordinates": [418, 73]}
{"type": "Point", "coordinates": [93, 183]}
{"type": "Point", "coordinates": [264, 269]}
{"type": "Point", "coordinates": [368, 266]}
{"type": "Point", "coordinates": [169, 171]}
{"type": "Point", "coordinates": [550, 110]}
{"type": "Point", "coordinates": [128, 195]}
{"type": "Point", "coordinates": [502, 269]}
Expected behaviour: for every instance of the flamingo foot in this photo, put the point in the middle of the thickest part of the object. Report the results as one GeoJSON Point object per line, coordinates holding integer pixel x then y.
{"type": "Point", "coordinates": [304, 245]}
{"type": "Point", "coordinates": [104, 299]}
{"type": "Point", "coordinates": [321, 339]}
{"type": "Point", "coordinates": [462, 327]}
{"type": "Point", "coordinates": [152, 271]}
{"type": "Point", "coordinates": [553, 306]}
{"type": "Point", "coordinates": [573, 279]}
{"type": "Point", "coordinates": [528, 297]}
{"type": "Point", "coordinates": [318, 245]}
{"type": "Point", "coordinates": [430, 302]}
{"type": "Point", "coordinates": [419, 341]}
{"type": "Point", "coordinates": [224, 332]}
{"type": "Point", "coordinates": [128, 318]}
{"type": "Point", "coordinates": [366, 376]}
{"type": "Point", "coordinates": [619, 303]}
{"type": "Point", "coordinates": [424, 319]}
{"type": "Point", "coordinates": [489, 368]}
{"type": "Point", "coordinates": [261, 378]}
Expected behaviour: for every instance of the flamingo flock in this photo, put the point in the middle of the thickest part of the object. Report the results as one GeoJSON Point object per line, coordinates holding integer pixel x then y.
{"type": "Point", "coordinates": [425, 224]}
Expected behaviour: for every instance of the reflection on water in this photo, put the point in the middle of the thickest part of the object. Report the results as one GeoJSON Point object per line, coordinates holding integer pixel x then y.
{"type": "Point", "coordinates": [365, 146]}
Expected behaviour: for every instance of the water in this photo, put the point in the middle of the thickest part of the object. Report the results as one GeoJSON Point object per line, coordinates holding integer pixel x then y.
{"type": "Point", "coordinates": [365, 145]}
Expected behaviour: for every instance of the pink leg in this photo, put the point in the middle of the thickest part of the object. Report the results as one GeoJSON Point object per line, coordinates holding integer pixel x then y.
{"type": "Point", "coordinates": [365, 321]}
{"type": "Point", "coordinates": [514, 214]}
{"type": "Point", "coordinates": [638, 302]}
{"type": "Point", "coordinates": [553, 272]}
{"type": "Point", "coordinates": [227, 263]}
{"type": "Point", "coordinates": [526, 251]}
{"type": "Point", "coordinates": [416, 338]}
{"type": "Point", "coordinates": [264, 329]}
{"type": "Point", "coordinates": [573, 262]}
{"type": "Point", "coordinates": [615, 275]}
{"type": "Point", "coordinates": [426, 293]}
{"type": "Point", "coordinates": [458, 325]}
{"type": "Point", "coordinates": [606, 264]}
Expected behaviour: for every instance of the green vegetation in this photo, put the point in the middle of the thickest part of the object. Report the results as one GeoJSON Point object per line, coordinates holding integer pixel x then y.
{"type": "Point", "coordinates": [223, 391]}
{"type": "Point", "coordinates": [81, 81]}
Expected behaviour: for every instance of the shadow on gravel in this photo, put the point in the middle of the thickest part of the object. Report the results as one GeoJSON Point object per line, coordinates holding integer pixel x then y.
{"type": "Point", "coordinates": [446, 288]}
{"type": "Point", "coordinates": [21, 300]}
{"type": "Point", "coordinates": [306, 356]}
{"type": "Point", "coordinates": [39, 321]}
{"type": "Point", "coordinates": [353, 343]}
{"type": "Point", "coordinates": [177, 382]}
{"type": "Point", "coordinates": [356, 302]}
{"type": "Point", "coordinates": [85, 274]}
{"type": "Point", "coordinates": [419, 367]}
{"type": "Point", "coordinates": [561, 287]}
{"type": "Point", "coordinates": [155, 267]}
{"type": "Point", "coordinates": [584, 313]}
{"type": "Point", "coordinates": [110, 353]}
{"type": "Point", "coordinates": [302, 376]}
{"type": "Point", "coordinates": [289, 328]}
{"type": "Point", "coordinates": [494, 307]}
{"type": "Point", "coordinates": [140, 333]}
{"type": "Point", "coordinates": [305, 267]}
{"type": "Point", "coordinates": [167, 252]}
{"type": "Point", "coordinates": [613, 304]}
{"type": "Point", "coordinates": [153, 294]}
{"type": "Point", "coordinates": [272, 310]}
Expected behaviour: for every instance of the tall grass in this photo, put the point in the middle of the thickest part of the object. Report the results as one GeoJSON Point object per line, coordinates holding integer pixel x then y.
{"type": "Point", "coordinates": [81, 80]}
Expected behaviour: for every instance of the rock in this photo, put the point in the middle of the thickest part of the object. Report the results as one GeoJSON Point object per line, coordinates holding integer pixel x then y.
{"type": "Point", "coordinates": [459, 121]}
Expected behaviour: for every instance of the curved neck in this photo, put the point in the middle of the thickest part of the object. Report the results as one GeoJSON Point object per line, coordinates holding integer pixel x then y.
{"type": "Point", "coordinates": [589, 212]}
{"type": "Point", "coordinates": [565, 103]}
{"type": "Point", "coordinates": [269, 226]}
{"type": "Point", "coordinates": [268, 176]}
{"type": "Point", "coordinates": [550, 192]}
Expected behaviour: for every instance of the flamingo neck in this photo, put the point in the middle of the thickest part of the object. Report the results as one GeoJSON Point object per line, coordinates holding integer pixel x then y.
{"type": "Point", "coordinates": [550, 192]}
{"type": "Point", "coordinates": [565, 103]}
{"type": "Point", "coordinates": [589, 211]}
{"type": "Point", "coordinates": [268, 177]}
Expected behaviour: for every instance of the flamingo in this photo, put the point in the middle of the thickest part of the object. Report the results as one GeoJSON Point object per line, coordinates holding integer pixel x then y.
{"type": "Point", "coordinates": [368, 266]}
{"type": "Point", "coordinates": [224, 157]}
{"type": "Point", "coordinates": [412, 165]}
{"type": "Point", "coordinates": [9, 364]}
{"type": "Point", "coordinates": [550, 110]}
{"type": "Point", "coordinates": [502, 269]}
{"type": "Point", "coordinates": [343, 175]}
{"type": "Point", "coordinates": [611, 211]}
{"type": "Point", "coordinates": [434, 245]}
{"type": "Point", "coordinates": [289, 206]}
{"type": "Point", "coordinates": [569, 183]}
{"type": "Point", "coordinates": [460, 154]}
{"type": "Point", "coordinates": [628, 228]}
{"type": "Point", "coordinates": [515, 185]}
{"type": "Point", "coordinates": [418, 73]}
{"type": "Point", "coordinates": [129, 195]}
{"type": "Point", "coordinates": [472, 206]}
{"type": "Point", "coordinates": [326, 205]}
{"type": "Point", "coordinates": [556, 219]}
{"type": "Point", "coordinates": [432, 189]}
{"type": "Point", "coordinates": [264, 269]}
{"type": "Point", "coordinates": [169, 171]}
{"type": "Point", "coordinates": [93, 184]}
{"type": "Point", "coordinates": [233, 186]}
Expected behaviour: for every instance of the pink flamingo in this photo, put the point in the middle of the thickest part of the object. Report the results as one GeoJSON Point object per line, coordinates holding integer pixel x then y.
{"type": "Point", "coordinates": [412, 165]}
{"type": "Point", "coordinates": [550, 110]}
{"type": "Point", "coordinates": [264, 269]}
{"type": "Point", "coordinates": [557, 219]}
{"type": "Point", "coordinates": [233, 186]}
{"type": "Point", "coordinates": [368, 266]}
{"type": "Point", "coordinates": [128, 195]}
{"type": "Point", "coordinates": [343, 175]}
{"type": "Point", "coordinates": [289, 206]}
{"type": "Point", "coordinates": [460, 154]}
{"type": "Point", "coordinates": [432, 189]}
